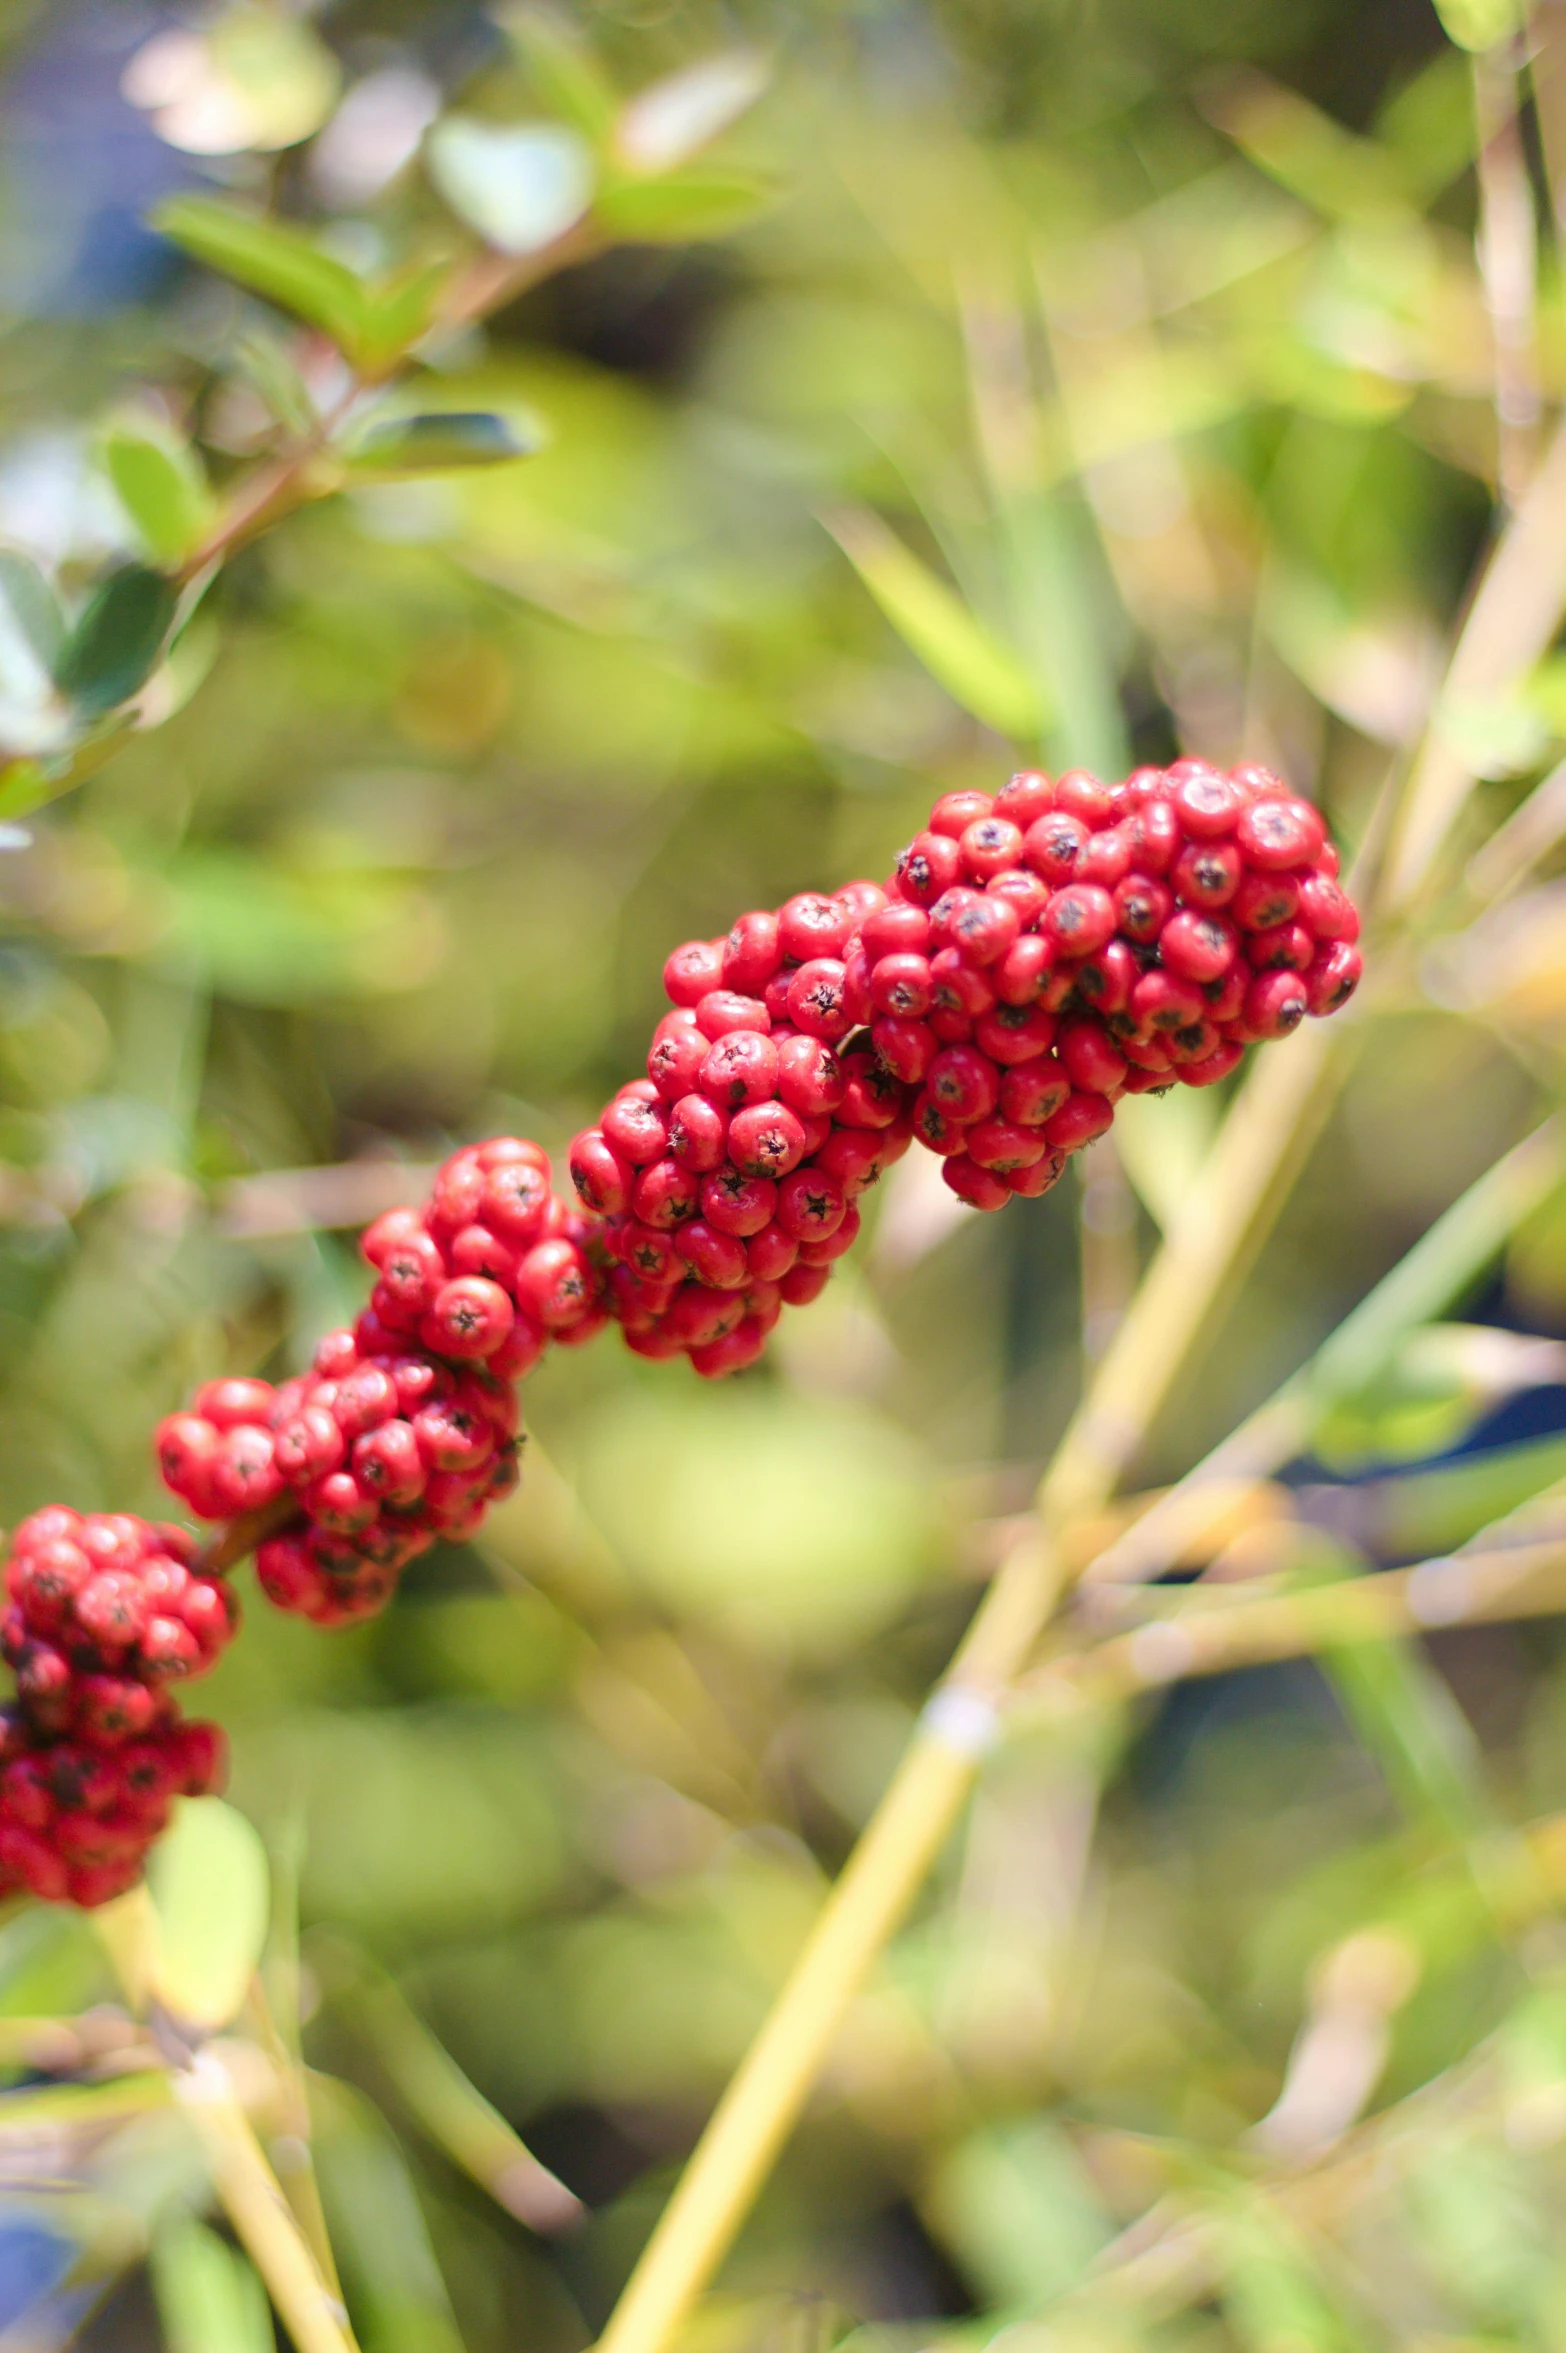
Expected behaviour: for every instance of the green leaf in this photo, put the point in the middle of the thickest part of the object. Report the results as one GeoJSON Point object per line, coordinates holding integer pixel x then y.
{"type": "Point", "coordinates": [32, 633]}
{"type": "Point", "coordinates": [160, 484]}
{"type": "Point", "coordinates": [274, 375]}
{"type": "Point", "coordinates": [209, 2298]}
{"type": "Point", "coordinates": [209, 1890]}
{"type": "Point", "coordinates": [519, 185]}
{"type": "Point", "coordinates": [708, 200]}
{"type": "Point", "coordinates": [973, 665]}
{"type": "Point", "coordinates": [390, 2273]}
{"type": "Point", "coordinates": [563, 71]}
{"type": "Point", "coordinates": [443, 442]}
{"type": "Point", "coordinates": [398, 312]}
{"type": "Point", "coordinates": [1479, 24]}
{"type": "Point", "coordinates": [281, 263]}
{"type": "Point", "coordinates": [115, 645]}
{"type": "Point", "coordinates": [1431, 1389]}
{"type": "Point", "coordinates": [674, 118]}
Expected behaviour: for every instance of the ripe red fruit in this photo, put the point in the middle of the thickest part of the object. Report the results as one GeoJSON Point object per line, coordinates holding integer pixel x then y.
{"type": "Point", "coordinates": [1080, 1118]}
{"type": "Point", "coordinates": [603, 1180]}
{"type": "Point", "coordinates": [1197, 946]}
{"type": "Point", "coordinates": [989, 845]}
{"type": "Point", "coordinates": [716, 1259]}
{"type": "Point", "coordinates": [980, 1187]}
{"type": "Point", "coordinates": [811, 1079]}
{"type": "Point", "coordinates": [741, 1068]}
{"type": "Point", "coordinates": [930, 865]}
{"type": "Point", "coordinates": [751, 954]}
{"type": "Point", "coordinates": [810, 1204]}
{"type": "Point", "coordinates": [818, 999]}
{"type": "Point", "coordinates": [636, 1129]}
{"type": "Point", "coordinates": [1079, 919]}
{"type": "Point", "coordinates": [735, 1204]}
{"type": "Point", "coordinates": [665, 1194]}
{"type": "Point", "coordinates": [1278, 834]}
{"type": "Point", "coordinates": [810, 926]}
{"type": "Point", "coordinates": [766, 1140]}
{"type": "Point", "coordinates": [1275, 1004]}
{"type": "Point", "coordinates": [723, 1009]}
{"type": "Point", "coordinates": [1024, 797]}
{"type": "Point", "coordinates": [963, 1083]}
{"type": "Point", "coordinates": [691, 971]}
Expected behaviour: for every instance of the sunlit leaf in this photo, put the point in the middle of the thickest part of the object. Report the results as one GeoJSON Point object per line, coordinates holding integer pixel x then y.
{"type": "Point", "coordinates": [442, 442]}
{"type": "Point", "coordinates": [281, 263]}
{"type": "Point", "coordinates": [975, 668]}
{"type": "Point", "coordinates": [398, 312]}
{"type": "Point", "coordinates": [1479, 24]}
{"type": "Point", "coordinates": [704, 200]}
{"type": "Point", "coordinates": [520, 186]}
{"type": "Point", "coordinates": [209, 2298]}
{"type": "Point", "coordinates": [160, 484]}
{"type": "Point", "coordinates": [563, 71]}
{"type": "Point", "coordinates": [1430, 1391]}
{"type": "Point", "coordinates": [115, 644]}
{"type": "Point", "coordinates": [675, 117]}
{"type": "Point", "coordinates": [209, 1887]}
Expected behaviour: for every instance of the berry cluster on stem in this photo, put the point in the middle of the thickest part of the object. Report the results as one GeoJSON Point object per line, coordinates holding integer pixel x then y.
{"type": "Point", "coordinates": [1035, 957]}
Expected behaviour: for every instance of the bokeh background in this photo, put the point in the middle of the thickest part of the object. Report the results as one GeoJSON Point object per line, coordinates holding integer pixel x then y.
{"type": "Point", "coordinates": [1158, 335]}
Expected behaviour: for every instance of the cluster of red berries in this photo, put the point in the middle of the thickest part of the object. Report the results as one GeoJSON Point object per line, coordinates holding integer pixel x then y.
{"type": "Point", "coordinates": [103, 1613]}
{"type": "Point", "coordinates": [727, 1180]}
{"type": "Point", "coordinates": [1035, 957]}
{"type": "Point", "coordinates": [406, 1427]}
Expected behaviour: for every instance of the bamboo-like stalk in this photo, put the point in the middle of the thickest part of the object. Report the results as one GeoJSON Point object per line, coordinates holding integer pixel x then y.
{"type": "Point", "coordinates": [253, 2200]}
{"type": "Point", "coordinates": [1265, 1139]}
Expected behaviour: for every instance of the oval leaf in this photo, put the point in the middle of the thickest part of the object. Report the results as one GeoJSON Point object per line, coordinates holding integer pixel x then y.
{"type": "Point", "coordinates": [209, 1889]}
{"type": "Point", "coordinates": [116, 643]}
{"type": "Point", "coordinates": [32, 633]}
{"type": "Point", "coordinates": [520, 186]}
{"type": "Point", "coordinates": [674, 118]}
{"type": "Point", "coordinates": [160, 485]}
{"type": "Point", "coordinates": [281, 263]}
{"type": "Point", "coordinates": [443, 442]}
{"type": "Point", "coordinates": [706, 201]}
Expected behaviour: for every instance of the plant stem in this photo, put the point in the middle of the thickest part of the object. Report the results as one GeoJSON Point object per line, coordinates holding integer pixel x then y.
{"type": "Point", "coordinates": [254, 2203]}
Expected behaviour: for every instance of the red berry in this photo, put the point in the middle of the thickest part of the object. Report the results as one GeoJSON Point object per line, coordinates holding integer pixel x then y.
{"type": "Point", "coordinates": [388, 1463]}
{"type": "Point", "coordinates": [1213, 1067]}
{"type": "Point", "coordinates": [766, 1140]}
{"type": "Point", "coordinates": [901, 985]}
{"type": "Point", "coordinates": [735, 1204]}
{"type": "Point", "coordinates": [810, 1204]}
{"type": "Point", "coordinates": [717, 1259]}
{"type": "Point", "coordinates": [1197, 947]}
{"type": "Point", "coordinates": [771, 1253]}
{"type": "Point", "coordinates": [226, 1404]}
{"type": "Point", "coordinates": [636, 1129]}
{"type": "Point", "coordinates": [452, 1436]}
{"type": "Point", "coordinates": [186, 1444]}
{"type": "Point", "coordinates": [1024, 797]}
{"type": "Point", "coordinates": [245, 1476]}
{"type": "Point", "coordinates": [811, 926]}
{"type": "Point", "coordinates": [862, 900]}
{"type": "Point", "coordinates": [675, 1058]}
{"type": "Point", "coordinates": [1275, 1004]}
{"type": "Point", "coordinates": [827, 1247]}
{"type": "Point", "coordinates": [731, 1354]}
{"type": "Point", "coordinates": [906, 1048]}
{"type": "Point", "coordinates": [955, 812]}
{"type": "Point", "coordinates": [897, 929]}
{"type": "Point", "coordinates": [603, 1180]}
{"type": "Point", "coordinates": [936, 1131]}
{"type": "Point", "coordinates": [1161, 1002]}
{"type": "Point", "coordinates": [811, 1079]}
{"type": "Point", "coordinates": [1266, 900]}
{"type": "Point", "coordinates": [804, 1283]}
{"type": "Point", "coordinates": [1207, 874]}
{"type": "Point", "coordinates": [698, 1130]}
{"type": "Point", "coordinates": [1033, 1182]}
{"type": "Point", "coordinates": [340, 1503]}
{"type": "Point", "coordinates": [818, 1000]}
{"type": "Point", "coordinates": [959, 987]}
{"type": "Point", "coordinates": [751, 954]}
{"type": "Point", "coordinates": [1079, 919]}
{"type": "Point", "coordinates": [930, 865]}
{"type": "Point", "coordinates": [1001, 1145]}
{"type": "Point", "coordinates": [1327, 912]}
{"type": "Point", "coordinates": [1332, 978]}
{"type": "Point", "coordinates": [697, 1314]}
{"type": "Point", "coordinates": [665, 1194]}
{"type": "Point", "coordinates": [1142, 907]}
{"type": "Point", "coordinates": [1278, 834]}
{"type": "Point", "coordinates": [980, 1187]}
{"type": "Point", "coordinates": [1089, 1059]}
{"type": "Point", "coordinates": [989, 845]}
{"type": "Point", "coordinates": [1030, 1095]}
{"type": "Point", "coordinates": [555, 1282]}
{"type": "Point", "coordinates": [1155, 836]}
{"type": "Point", "coordinates": [1105, 980]}
{"type": "Point", "coordinates": [1208, 805]}
{"type": "Point", "coordinates": [1080, 1118]}
{"type": "Point", "coordinates": [722, 1010]}
{"type": "Point", "coordinates": [515, 1201]}
{"type": "Point", "coordinates": [112, 1607]}
{"type": "Point", "coordinates": [1022, 890]}
{"type": "Point", "coordinates": [1108, 858]}
{"type": "Point", "coordinates": [741, 1068]}
{"type": "Point", "coordinates": [691, 971]}
{"type": "Point", "coordinates": [963, 1083]}
{"type": "Point", "coordinates": [1054, 846]}
{"type": "Point", "coordinates": [1014, 1033]}
{"type": "Point", "coordinates": [1287, 947]}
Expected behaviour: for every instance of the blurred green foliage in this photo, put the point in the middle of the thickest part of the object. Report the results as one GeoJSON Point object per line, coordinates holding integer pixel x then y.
{"type": "Point", "coordinates": [1008, 380]}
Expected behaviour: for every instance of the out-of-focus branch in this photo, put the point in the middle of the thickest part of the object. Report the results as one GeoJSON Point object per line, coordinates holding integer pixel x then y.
{"type": "Point", "coordinates": [1507, 252]}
